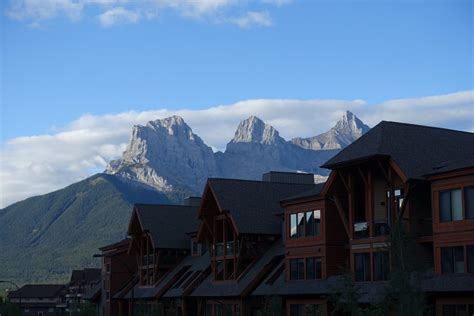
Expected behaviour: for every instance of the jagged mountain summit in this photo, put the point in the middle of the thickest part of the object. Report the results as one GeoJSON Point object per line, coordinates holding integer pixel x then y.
{"type": "Point", "coordinates": [255, 130]}
{"type": "Point", "coordinates": [347, 129]}
{"type": "Point", "coordinates": [166, 155]}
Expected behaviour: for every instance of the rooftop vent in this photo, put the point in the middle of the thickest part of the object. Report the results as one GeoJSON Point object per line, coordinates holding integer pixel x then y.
{"type": "Point", "coordinates": [192, 201]}
{"type": "Point", "coordinates": [288, 177]}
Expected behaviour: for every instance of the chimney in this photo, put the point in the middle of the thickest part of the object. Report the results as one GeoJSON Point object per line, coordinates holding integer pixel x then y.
{"type": "Point", "coordinates": [192, 201]}
{"type": "Point", "coordinates": [288, 177]}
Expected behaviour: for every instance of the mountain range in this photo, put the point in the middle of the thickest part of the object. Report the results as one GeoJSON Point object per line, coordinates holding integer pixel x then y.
{"type": "Point", "coordinates": [44, 237]}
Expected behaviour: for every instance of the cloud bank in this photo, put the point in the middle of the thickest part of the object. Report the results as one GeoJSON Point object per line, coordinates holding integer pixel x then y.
{"type": "Point", "coordinates": [42, 163]}
{"type": "Point", "coordinates": [243, 13]}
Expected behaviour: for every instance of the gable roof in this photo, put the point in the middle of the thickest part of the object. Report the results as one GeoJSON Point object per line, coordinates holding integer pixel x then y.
{"type": "Point", "coordinates": [255, 274]}
{"type": "Point", "coordinates": [417, 150]}
{"type": "Point", "coordinates": [166, 287]}
{"type": "Point", "coordinates": [254, 204]}
{"type": "Point", "coordinates": [38, 291]}
{"type": "Point", "coordinates": [167, 224]}
{"type": "Point", "coordinates": [85, 276]}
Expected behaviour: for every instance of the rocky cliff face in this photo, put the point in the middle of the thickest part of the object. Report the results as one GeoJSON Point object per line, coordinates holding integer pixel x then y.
{"type": "Point", "coordinates": [346, 130]}
{"type": "Point", "coordinates": [167, 156]}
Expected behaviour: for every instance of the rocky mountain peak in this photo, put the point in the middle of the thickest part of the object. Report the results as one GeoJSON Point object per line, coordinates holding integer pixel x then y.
{"type": "Point", "coordinates": [349, 124]}
{"type": "Point", "coordinates": [173, 125]}
{"type": "Point", "coordinates": [347, 129]}
{"type": "Point", "coordinates": [254, 130]}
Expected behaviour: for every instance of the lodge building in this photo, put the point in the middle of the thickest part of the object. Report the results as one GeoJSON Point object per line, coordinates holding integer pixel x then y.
{"type": "Point", "coordinates": [286, 243]}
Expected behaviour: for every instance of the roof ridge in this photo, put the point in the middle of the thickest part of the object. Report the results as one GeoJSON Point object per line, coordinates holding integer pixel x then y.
{"type": "Point", "coordinates": [261, 181]}
{"type": "Point", "coordinates": [162, 204]}
{"type": "Point", "coordinates": [426, 126]}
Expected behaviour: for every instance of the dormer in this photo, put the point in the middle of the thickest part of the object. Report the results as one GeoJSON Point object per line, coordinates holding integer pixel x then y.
{"type": "Point", "coordinates": [240, 221]}
{"type": "Point", "coordinates": [314, 247]}
{"type": "Point", "coordinates": [160, 238]}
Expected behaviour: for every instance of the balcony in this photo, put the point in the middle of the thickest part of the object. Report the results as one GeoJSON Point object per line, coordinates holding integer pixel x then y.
{"type": "Point", "coordinates": [361, 230]}
{"type": "Point", "coordinates": [147, 260]}
{"type": "Point", "coordinates": [230, 248]}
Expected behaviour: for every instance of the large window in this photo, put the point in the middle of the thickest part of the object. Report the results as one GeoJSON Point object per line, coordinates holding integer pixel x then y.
{"type": "Point", "coordinates": [293, 225]}
{"type": "Point", "coordinates": [362, 266]}
{"type": "Point", "coordinates": [381, 266]}
{"type": "Point", "coordinates": [305, 224]}
{"type": "Point", "coordinates": [297, 269]}
{"type": "Point", "coordinates": [450, 205]}
{"type": "Point", "coordinates": [452, 259]}
{"type": "Point", "coordinates": [469, 202]}
{"type": "Point", "coordinates": [313, 268]}
{"type": "Point", "coordinates": [306, 309]}
{"type": "Point", "coordinates": [458, 310]}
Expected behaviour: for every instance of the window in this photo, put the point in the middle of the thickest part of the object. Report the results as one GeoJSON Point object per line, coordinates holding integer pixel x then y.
{"type": "Point", "coordinates": [362, 266]}
{"type": "Point", "coordinates": [454, 310]}
{"type": "Point", "coordinates": [301, 225]}
{"type": "Point", "coordinates": [195, 248]}
{"type": "Point", "coordinates": [40, 314]}
{"type": "Point", "coordinates": [381, 266]}
{"type": "Point", "coordinates": [469, 202]}
{"type": "Point", "coordinates": [107, 268]}
{"type": "Point", "coordinates": [452, 259]}
{"type": "Point", "coordinates": [293, 225]}
{"type": "Point", "coordinates": [313, 223]}
{"type": "Point", "coordinates": [470, 258]}
{"type": "Point", "coordinates": [450, 205]}
{"type": "Point", "coordinates": [305, 224]}
{"type": "Point", "coordinates": [313, 268]}
{"type": "Point", "coordinates": [306, 309]}
{"type": "Point", "coordinates": [297, 269]}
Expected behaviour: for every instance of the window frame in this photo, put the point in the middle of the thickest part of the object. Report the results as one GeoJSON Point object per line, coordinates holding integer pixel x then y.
{"type": "Point", "coordinates": [465, 215]}
{"type": "Point", "coordinates": [304, 260]}
{"type": "Point", "coordinates": [297, 224]}
{"type": "Point", "coordinates": [450, 252]}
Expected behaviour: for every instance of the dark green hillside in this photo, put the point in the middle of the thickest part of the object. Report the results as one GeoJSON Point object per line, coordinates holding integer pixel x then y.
{"type": "Point", "coordinates": [45, 237]}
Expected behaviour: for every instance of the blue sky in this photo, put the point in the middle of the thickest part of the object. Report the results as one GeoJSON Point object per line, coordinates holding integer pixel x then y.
{"type": "Point", "coordinates": [58, 67]}
{"type": "Point", "coordinates": [77, 74]}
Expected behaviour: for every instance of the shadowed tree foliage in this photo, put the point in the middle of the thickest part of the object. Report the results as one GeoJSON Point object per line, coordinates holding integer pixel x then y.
{"type": "Point", "coordinates": [403, 296]}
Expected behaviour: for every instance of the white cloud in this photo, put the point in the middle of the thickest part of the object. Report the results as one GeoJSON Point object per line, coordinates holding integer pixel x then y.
{"type": "Point", "coordinates": [35, 12]}
{"type": "Point", "coordinates": [118, 15]}
{"type": "Point", "coordinates": [39, 164]}
{"type": "Point", "coordinates": [253, 18]}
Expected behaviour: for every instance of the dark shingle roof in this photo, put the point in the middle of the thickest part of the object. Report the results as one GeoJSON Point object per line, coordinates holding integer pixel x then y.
{"type": "Point", "coordinates": [369, 291]}
{"type": "Point", "coordinates": [85, 276]}
{"type": "Point", "coordinates": [208, 288]}
{"type": "Point", "coordinates": [418, 150]}
{"type": "Point", "coordinates": [38, 291]}
{"type": "Point", "coordinates": [190, 264]}
{"type": "Point", "coordinates": [254, 204]}
{"type": "Point", "coordinates": [310, 193]}
{"type": "Point", "coordinates": [458, 282]}
{"type": "Point", "coordinates": [168, 224]}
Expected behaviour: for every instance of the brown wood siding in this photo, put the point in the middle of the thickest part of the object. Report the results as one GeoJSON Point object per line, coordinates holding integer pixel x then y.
{"type": "Point", "coordinates": [453, 233]}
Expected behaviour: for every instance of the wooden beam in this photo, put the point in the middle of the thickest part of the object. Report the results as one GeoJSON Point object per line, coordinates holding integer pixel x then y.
{"type": "Point", "coordinates": [385, 174]}
{"type": "Point", "coordinates": [362, 175]}
{"type": "Point", "coordinates": [405, 202]}
{"type": "Point", "coordinates": [341, 214]}
{"type": "Point", "coordinates": [343, 180]}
